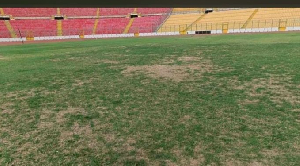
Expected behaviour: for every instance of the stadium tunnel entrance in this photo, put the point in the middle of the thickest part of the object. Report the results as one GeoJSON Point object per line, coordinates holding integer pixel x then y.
{"type": "Point", "coordinates": [133, 15]}
{"type": "Point", "coordinates": [202, 32]}
{"type": "Point", "coordinates": [4, 18]}
{"type": "Point", "coordinates": [59, 17]}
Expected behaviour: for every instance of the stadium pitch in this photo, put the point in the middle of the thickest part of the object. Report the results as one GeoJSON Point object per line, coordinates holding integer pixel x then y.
{"type": "Point", "coordinates": [209, 100]}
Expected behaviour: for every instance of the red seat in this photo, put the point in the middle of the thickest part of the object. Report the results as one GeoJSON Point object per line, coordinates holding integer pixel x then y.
{"type": "Point", "coordinates": [145, 24]}
{"type": "Point", "coordinates": [78, 11]}
{"type": "Point", "coordinates": [153, 10]}
{"type": "Point", "coordinates": [4, 33]}
{"type": "Point", "coordinates": [47, 27]}
{"type": "Point", "coordinates": [74, 26]}
{"type": "Point", "coordinates": [115, 11]}
{"type": "Point", "coordinates": [112, 25]}
{"type": "Point", "coordinates": [30, 12]}
{"type": "Point", "coordinates": [38, 27]}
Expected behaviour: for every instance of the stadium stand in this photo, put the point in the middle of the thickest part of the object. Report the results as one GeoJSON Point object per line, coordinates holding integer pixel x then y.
{"type": "Point", "coordinates": [272, 16]}
{"type": "Point", "coordinates": [214, 20]}
{"type": "Point", "coordinates": [38, 27]}
{"type": "Point", "coordinates": [75, 26]}
{"type": "Point", "coordinates": [4, 33]}
{"type": "Point", "coordinates": [115, 11]}
{"type": "Point", "coordinates": [153, 10]}
{"type": "Point", "coordinates": [40, 21]}
{"type": "Point", "coordinates": [112, 25]}
{"type": "Point", "coordinates": [78, 11]}
{"type": "Point", "coordinates": [145, 24]}
{"type": "Point", "coordinates": [30, 12]}
{"type": "Point", "coordinates": [187, 10]}
{"type": "Point", "coordinates": [178, 22]}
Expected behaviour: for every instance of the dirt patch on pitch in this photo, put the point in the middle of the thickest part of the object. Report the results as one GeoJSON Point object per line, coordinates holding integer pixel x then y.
{"type": "Point", "coordinates": [172, 72]}
{"type": "Point", "coordinates": [177, 73]}
{"type": "Point", "coordinates": [110, 62]}
{"type": "Point", "coordinates": [197, 158]}
{"type": "Point", "coordinates": [60, 116]}
{"type": "Point", "coordinates": [189, 59]}
{"type": "Point", "coordinates": [2, 58]}
{"type": "Point", "coordinates": [279, 89]}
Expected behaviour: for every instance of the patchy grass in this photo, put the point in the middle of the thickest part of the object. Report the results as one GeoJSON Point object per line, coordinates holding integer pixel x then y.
{"type": "Point", "coordinates": [212, 100]}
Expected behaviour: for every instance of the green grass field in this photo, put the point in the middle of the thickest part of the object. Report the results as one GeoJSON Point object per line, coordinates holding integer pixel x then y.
{"type": "Point", "coordinates": [193, 100]}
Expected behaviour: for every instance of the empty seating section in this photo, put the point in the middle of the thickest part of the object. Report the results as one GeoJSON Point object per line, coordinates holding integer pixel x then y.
{"type": "Point", "coordinates": [178, 22]}
{"type": "Point", "coordinates": [48, 12]}
{"type": "Point", "coordinates": [153, 10]}
{"type": "Point", "coordinates": [38, 27]}
{"type": "Point", "coordinates": [30, 12]}
{"type": "Point", "coordinates": [112, 25]}
{"type": "Point", "coordinates": [75, 26]}
{"type": "Point", "coordinates": [4, 33]}
{"type": "Point", "coordinates": [214, 20]}
{"type": "Point", "coordinates": [115, 23]}
{"type": "Point", "coordinates": [186, 10]}
{"type": "Point", "coordinates": [78, 11]}
{"type": "Point", "coordinates": [270, 17]}
{"type": "Point", "coordinates": [145, 24]}
{"type": "Point", "coordinates": [115, 11]}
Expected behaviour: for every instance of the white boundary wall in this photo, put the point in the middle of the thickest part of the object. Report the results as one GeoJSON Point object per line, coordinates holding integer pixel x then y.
{"type": "Point", "coordinates": [253, 30]}
{"type": "Point", "coordinates": [12, 39]}
{"type": "Point", "coordinates": [99, 36]}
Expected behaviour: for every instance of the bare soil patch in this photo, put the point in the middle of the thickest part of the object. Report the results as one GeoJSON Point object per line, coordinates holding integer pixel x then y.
{"type": "Point", "coordinates": [22, 95]}
{"type": "Point", "coordinates": [175, 73]}
{"type": "Point", "coordinates": [198, 158]}
{"type": "Point", "coordinates": [276, 87]}
{"type": "Point", "coordinates": [189, 59]}
{"type": "Point", "coordinates": [81, 82]}
{"type": "Point", "coordinates": [6, 108]}
{"type": "Point", "coordinates": [2, 58]}
{"type": "Point", "coordinates": [60, 117]}
{"type": "Point", "coordinates": [110, 62]}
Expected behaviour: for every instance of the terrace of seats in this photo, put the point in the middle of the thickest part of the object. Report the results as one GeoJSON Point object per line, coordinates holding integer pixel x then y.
{"type": "Point", "coordinates": [38, 27]}
{"type": "Point", "coordinates": [47, 27]}
{"type": "Point", "coordinates": [269, 17]}
{"type": "Point", "coordinates": [145, 24]}
{"type": "Point", "coordinates": [236, 19]}
{"type": "Point", "coordinates": [179, 21]}
{"type": "Point", "coordinates": [48, 12]}
{"type": "Point", "coordinates": [30, 12]}
{"type": "Point", "coordinates": [74, 26]}
{"type": "Point", "coordinates": [115, 11]}
{"type": "Point", "coordinates": [4, 33]}
{"type": "Point", "coordinates": [153, 10]}
{"type": "Point", "coordinates": [78, 11]}
{"type": "Point", "coordinates": [112, 25]}
{"type": "Point", "coordinates": [186, 10]}
{"type": "Point", "coordinates": [214, 20]}
{"type": "Point", "coordinates": [175, 22]}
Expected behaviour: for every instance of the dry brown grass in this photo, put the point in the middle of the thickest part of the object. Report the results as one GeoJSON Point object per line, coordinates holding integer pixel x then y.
{"type": "Point", "coordinates": [189, 59]}
{"type": "Point", "coordinates": [110, 62]}
{"type": "Point", "coordinates": [171, 72]}
{"type": "Point", "coordinates": [60, 116]}
{"type": "Point", "coordinates": [6, 108]}
{"type": "Point", "coordinates": [276, 87]}
{"type": "Point", "coordinates": [182, 159]}
{"type": "Point", "coordinates": [83, 81]}
{"type": "Point", "coordinates": [3, 58]}
{"type": "Point", "coordinates": [193, 67]}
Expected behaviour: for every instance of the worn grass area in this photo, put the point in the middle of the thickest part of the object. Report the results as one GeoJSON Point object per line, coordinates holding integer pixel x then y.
{"type": "Point", "coordinates": [213, 100]}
